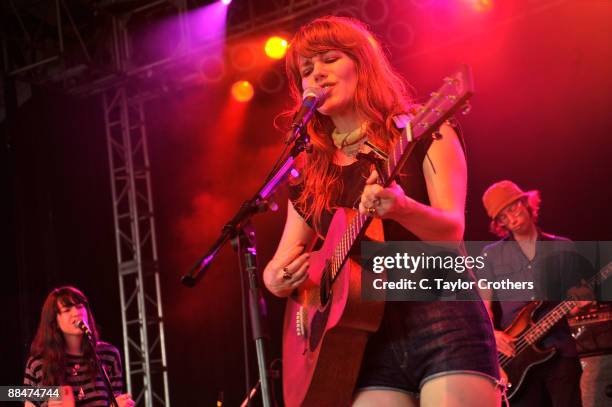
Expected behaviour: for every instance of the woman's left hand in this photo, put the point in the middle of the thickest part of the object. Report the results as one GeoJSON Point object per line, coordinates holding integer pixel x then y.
{"type": "Point", "coordinates": [380, 202]}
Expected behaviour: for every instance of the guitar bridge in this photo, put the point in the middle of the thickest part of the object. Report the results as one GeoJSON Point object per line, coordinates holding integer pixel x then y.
{"type": "Point", "coordinates": [301, 319]}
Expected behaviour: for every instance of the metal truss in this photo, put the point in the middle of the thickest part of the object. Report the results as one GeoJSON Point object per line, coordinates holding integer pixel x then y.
{"type": "Point", "coordinates": [46, 33]}
{"type": "Point", "coordinates": [80, 55]}
{"type": "Point", "coordinates": [141, 307]}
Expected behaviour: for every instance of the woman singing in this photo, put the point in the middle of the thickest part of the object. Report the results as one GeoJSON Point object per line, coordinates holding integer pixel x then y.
{"type": "Point", "coordinates": [62, 356]}
{"type": "Point", "coordinates": [425, 353]}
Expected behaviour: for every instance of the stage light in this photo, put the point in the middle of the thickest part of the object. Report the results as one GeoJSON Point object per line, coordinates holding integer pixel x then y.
{"type": "Point", "coordinates": [484, 5]}
{"type": "Point", "coordinates": [226, 2]}
{"type": "Point", "coordinates": [276, 47]}
{"type": "Point", "coordinates": [481, 5]}
{"type": "Point", "coordinates": [242, 91]}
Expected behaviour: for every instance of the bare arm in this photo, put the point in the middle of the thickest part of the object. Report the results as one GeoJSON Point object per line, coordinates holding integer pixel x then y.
{"type": "Point", "coordinates": [446, 187]}
{"type": "Point", "coordinates": [289, 259]}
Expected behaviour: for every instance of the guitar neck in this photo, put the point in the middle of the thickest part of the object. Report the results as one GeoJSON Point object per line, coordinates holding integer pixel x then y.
{"type": "Point", "coordinates": [403, 148]}
{"type": "Point", "coordinates": [554, 316]}
{"type": "Point", "coordinates": [453, 94]}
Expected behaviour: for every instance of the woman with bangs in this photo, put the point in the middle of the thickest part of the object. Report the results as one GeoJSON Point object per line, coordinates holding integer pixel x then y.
{"type": "Point", "coordinates": [61, 356]}
{"type": "Point", "coordinates": [428, 353]}
{"type": "Point", "coordinates": [424, 353]}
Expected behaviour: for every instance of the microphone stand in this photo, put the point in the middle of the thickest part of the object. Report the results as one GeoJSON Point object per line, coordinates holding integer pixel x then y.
{"type": "Point", "coordinates": [242, 235]}
{"type": "Point", "coordinates": [105, 379]}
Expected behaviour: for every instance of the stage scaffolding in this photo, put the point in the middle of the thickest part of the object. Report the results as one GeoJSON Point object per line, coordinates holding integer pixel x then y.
{"type": "Point", "coordinates": [139, 289]}
{"type": "Point", "coordinates": [124, 87]}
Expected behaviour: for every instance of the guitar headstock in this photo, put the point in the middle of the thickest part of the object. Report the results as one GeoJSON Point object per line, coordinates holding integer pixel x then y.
{"type": "Point", "coordinates": [452, 96]}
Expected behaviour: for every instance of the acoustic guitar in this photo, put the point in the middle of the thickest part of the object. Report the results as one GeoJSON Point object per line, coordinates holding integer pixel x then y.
{"type": "Point", "coordinates": [326, 323]}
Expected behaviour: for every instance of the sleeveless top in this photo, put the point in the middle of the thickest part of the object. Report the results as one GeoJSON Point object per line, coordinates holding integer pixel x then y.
{"type": "Point", "coordinates": [353, 177]}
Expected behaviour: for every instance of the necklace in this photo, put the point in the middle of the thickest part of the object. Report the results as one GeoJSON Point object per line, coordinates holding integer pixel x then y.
{"type": "Point", "coordinates": [75, 371]}
{"type": "Point", "coordinates": [350, 142]}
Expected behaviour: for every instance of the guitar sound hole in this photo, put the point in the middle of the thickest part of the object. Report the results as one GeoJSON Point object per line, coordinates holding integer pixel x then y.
{"type": "Point", "coordinates": [325, 287]}
{"type": "Point", "coordinates": [317, 328]}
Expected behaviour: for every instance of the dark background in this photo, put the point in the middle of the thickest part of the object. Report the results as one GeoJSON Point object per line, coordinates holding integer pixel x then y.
{"type": "Point", "coordinates": [540, 117]}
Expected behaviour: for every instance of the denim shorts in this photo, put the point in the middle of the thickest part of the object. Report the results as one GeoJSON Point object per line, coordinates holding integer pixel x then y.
{"type": "Point", "coordinates": [418, 341]}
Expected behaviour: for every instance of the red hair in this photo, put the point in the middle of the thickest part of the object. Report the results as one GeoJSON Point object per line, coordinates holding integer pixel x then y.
{"type": "Point", "coordinates": [381, 93]}
{"type": "Point", "coordinates": [49, 341]}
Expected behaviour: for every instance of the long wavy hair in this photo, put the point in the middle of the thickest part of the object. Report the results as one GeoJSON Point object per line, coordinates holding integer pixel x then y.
{"type": "Point", "coordinates": [381, 93]}
{"type": "Point", "coordinates": [49, 343]}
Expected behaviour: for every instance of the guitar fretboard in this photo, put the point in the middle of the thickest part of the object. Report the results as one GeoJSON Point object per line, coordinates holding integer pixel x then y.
{"type": "Point", "coordinates": [554, 316]}
{"type": "Point", "coordinates": [454, 93]}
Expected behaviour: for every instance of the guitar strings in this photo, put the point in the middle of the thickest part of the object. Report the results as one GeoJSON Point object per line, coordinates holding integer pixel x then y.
{"type": "Point", "coordinates": [522, 343]}
{"type": "Point", "coordinates": [571, 303]}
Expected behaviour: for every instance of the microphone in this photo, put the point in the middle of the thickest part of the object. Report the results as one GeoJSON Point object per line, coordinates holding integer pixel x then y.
{"type": "Point", "coordinates": [311, 99]}
{"type": "Point", "coordinates": [83, 327]}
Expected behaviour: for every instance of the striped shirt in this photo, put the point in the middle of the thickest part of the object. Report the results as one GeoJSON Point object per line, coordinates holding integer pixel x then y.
{"type": "Point", "coordinates": [87, 392]}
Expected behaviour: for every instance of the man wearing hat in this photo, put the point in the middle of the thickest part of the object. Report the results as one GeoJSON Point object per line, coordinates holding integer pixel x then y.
{"type": "Point", "coordinates": [525, 253]}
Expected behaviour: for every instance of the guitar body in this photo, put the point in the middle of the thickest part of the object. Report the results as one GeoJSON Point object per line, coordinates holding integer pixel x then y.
{"type": "Point", "coordinates": [323, 344]}
{"type": "Point", "coordinates": [517, 367]}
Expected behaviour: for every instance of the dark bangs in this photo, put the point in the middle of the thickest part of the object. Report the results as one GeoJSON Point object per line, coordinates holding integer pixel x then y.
{"type": "Point", "coordinates": [69, 296]}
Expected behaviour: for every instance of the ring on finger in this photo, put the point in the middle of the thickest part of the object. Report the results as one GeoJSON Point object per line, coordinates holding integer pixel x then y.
{"type": "Point", "coordinates": [372, 211]}
{"type": "Point", "coordinates": [286, 274]}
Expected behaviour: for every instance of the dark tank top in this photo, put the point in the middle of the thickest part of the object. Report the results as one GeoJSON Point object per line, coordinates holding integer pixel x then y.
{"type": "Point", "coordinates": [353, 177]}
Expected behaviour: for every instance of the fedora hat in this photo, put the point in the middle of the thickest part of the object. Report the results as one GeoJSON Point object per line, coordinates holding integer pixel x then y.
{"type": "Point", "coordinates": [502, 194]}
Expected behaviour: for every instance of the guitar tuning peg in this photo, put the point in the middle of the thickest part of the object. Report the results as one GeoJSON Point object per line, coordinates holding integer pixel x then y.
{"type": "Point", "coordinates": [467, 107]}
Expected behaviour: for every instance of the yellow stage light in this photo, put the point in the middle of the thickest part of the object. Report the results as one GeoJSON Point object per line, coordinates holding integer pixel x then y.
{"type": "Point", "coordinates": [276, 47]}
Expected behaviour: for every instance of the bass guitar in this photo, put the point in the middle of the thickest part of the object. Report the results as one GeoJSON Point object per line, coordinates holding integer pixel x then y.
{"type": "Point", "coordinates": [528, 333]}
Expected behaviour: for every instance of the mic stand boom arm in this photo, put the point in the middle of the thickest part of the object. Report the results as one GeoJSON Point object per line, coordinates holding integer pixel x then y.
{"type": "Point", "coordinates": [238, 230]}
{"type": "Point", "coordinates": [250, 207]}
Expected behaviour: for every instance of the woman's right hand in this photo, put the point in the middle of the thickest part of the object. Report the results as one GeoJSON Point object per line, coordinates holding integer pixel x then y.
{"type": "Point", "coordinates": [286, 272]}
{"type": "Point", "coordinates": [66, 400]}
{"type": "Point", "coordinates": [505, 343]}
{"type": "Point", "coordinates": [125, 400]}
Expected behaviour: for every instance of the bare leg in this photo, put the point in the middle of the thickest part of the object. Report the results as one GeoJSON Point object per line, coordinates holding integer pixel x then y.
{"type": "Point", "coordinates": [387, 398]}
{"type": "Point", "coordinates": [460, 390]}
